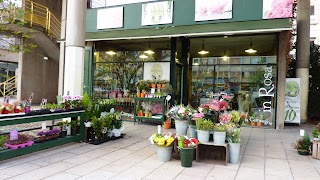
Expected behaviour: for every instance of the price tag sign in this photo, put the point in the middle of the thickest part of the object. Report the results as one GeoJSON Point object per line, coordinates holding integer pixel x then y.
{"type": "Point", "coordinates": [43, 125]}
{"type": "Point", "coordinates": [13, 135]}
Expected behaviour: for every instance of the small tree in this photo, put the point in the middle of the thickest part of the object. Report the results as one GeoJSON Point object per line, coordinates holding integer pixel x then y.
{"type": "Point", "coordinates": [11, 27]}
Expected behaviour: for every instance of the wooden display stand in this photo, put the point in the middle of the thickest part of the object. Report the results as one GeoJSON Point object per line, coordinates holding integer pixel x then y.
{"type": "Point", "coordinates": [212, 152]}
{"type": "Point", "coordinates": [316, 149]}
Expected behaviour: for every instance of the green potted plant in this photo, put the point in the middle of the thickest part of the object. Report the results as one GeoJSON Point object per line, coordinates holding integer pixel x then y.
{"type": "Point", "coordinates": [97, 127]}
{"type": "Point", "coordinates": [74, 127]}
{"type": "Point", "coordinates": [315, 133]}
{"type": "Point", "coordinates": [63, 128]}
{"type": "Point", "coordinates": [303, 145]}
{"type": "Point", "coordinates": [3, 140]}
{"type": "Point", "coordinates": [203, 129]}
{"type": "Point", "coordinates": [219, 134]}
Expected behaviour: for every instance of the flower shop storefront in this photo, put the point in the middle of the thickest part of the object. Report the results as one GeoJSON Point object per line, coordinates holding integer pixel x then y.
{"type": "Point", "coordinates": [235, 55]}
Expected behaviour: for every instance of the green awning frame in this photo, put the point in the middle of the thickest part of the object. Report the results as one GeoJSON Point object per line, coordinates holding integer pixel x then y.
{"type": "Point", "coordinates": [246, 27]}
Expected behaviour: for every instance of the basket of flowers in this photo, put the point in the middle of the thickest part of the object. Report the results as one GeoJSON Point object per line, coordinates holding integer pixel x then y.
{"type": "Point", "coordinates": [164, 143]}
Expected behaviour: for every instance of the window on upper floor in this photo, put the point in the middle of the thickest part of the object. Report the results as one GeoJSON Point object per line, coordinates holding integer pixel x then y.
{"type": "Point", "coordinates": [313, 17]}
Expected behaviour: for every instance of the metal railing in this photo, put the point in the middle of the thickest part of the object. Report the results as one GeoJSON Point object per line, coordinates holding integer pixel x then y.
{"type": "Point", "coordinates": [8, 87]}
{"type": "Point", "coordinates": [37, 14]}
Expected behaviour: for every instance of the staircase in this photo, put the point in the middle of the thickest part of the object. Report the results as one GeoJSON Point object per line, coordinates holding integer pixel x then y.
{"type": "Point", "coordinates": [8, 87]}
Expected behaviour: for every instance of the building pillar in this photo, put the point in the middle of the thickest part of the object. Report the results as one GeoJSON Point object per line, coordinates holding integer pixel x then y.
{"type": "Point", "coordinates": [284, 48]}
{"type": "Point", "coordinates": [75, 43]}
{"type": "Point", "coordinates": [62, 46]}
{"type": "Point", "coordinates": [303, 53]}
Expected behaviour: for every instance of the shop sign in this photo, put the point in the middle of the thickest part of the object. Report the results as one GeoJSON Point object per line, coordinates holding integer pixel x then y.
{"type": "Point", "coordinates": [156, 71]}
{"type": "Point", "coordinates": [157, 13]}
{"type": "Point", "coordinates": [110, 18]}
{"type": "Point", "coordinates": [292, 100]}
{"type": "Point", "coordinates": [268, 89]}
{"type": "Point", "coordinates": [277, 9]}
{"type": "Point", "coordinates": [213, 10]}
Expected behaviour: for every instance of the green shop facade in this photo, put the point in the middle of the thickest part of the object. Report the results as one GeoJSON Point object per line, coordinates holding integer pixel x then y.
{"type": "Point", "coordinates": [177, 32]}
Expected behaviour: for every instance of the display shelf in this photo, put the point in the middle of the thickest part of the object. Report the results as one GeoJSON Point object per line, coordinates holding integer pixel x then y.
{"type": "Point", "coordinates": [161, 118]}
{"type": "Point", "coordinates": [7, 154]}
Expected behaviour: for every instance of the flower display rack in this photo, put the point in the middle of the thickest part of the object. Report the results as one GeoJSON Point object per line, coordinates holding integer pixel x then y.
{"type": "Point", "coordinates": [10, 146]}
{"type": "Point", "coordinates": [212, 152]}
{"type": "Point", "coordinates": [142, 118]}
{"type": "Point", "coordinates": [316, 149]}
{"type": "Point", "coordinates": [9, 153]}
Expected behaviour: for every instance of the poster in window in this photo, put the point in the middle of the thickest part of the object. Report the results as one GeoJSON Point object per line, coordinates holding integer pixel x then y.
{"type": "Point", "coordinates": [110, 18]}
{"type": "Point", "coordinates": [156, 71]}
{"type": "Point", "coordinates": [292, 100]}
{"type": "Point", "coordinates": [157, 13]}
{"type": "Point", "coordinates": [273, 9]}
{"type": "Point", "coordinates": [206, 10]}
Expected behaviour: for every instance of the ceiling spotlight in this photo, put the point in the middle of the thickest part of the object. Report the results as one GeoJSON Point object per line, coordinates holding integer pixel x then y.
{"type": "Point", "coordinates": [111, 53]}
{"type": "Point", "coordinates": [149, 51]}
{"type": "Point", "coordinates": [143, 56]}
{"type": "Point", "coordinates": [250, 50]}
{"type": "Point", "coordinates": [45, 58]}
{"type": "Point", "coordinates": [203, 51]}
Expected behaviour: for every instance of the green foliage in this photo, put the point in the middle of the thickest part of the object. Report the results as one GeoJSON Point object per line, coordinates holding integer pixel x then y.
{"type": "Point", "coordinates": [97, 127]}
{"type": "Point", "coordinates": [220, 127]}
{"type": "Point", "coordinates": [303, 144]}
{"type": "Point", "coordinates": [234, 136]}
{"type": "Point", "coordinates": [11, 16]}
{"type": "Point", "coordinates": [107, 121]}
{"type": "Point", "coordinates": [204, 124]}
{"type": "Point", "coordinates": [3, 140]}
{"type": "Point", "coordinates": [74, 123]}
{"type": "Point", "coordinates": [315, 132]}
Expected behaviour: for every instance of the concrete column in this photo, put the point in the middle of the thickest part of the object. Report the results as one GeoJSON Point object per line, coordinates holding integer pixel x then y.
{"type": "Point", "coordinates": [62, 46]}
{"type": "Point", "coordinates": [284, 48]}
{"type": "Point", "coordinates": [303, 53]}
{"type": "Point", "coordinates": [75, 43]}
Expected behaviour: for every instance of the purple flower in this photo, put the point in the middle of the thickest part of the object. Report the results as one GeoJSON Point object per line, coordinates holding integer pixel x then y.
{"type": "Point", "coordinates": [55, 131]}
{"type": "Point", "coordinates": [41, 133]}
{"type": "Point", "coordinates": [49, 133]}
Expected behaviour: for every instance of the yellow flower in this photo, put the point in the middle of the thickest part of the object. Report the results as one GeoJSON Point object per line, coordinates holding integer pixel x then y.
{"type": "Point", "coordinates": [161, 141]}
{"type": "Point", "coordinates": [169, 141]}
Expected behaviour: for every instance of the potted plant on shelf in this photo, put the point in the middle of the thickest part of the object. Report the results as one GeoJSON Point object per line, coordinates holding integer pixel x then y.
{"type": "Point", "coordinates": [167, 123]}
{"type": "Point", "coordinates": [74, 126]}
{"type": "Point", "coordinates": [253, 121]}
{"type": "Point", "coordinates": [259, 123]}
{"type": "Point", "coordinates": [193, 125]}
{"type": "Point", "coordinates": [203, 129]}
{"type": "Point", "coordinates": [233, 138]}
{"type": "Point", "coordinates": [164, 144]}
{"type": "Point", "coordinates": [219, 134]}
{"type": "Point", "coordinates": [21, 142]}
{"type": "Point", "coordinates": [63, 129]}
{"type": "Point", "coordinates": [154, 83]}
{"type": "Point", "coordinates": [41, 137]}
{"type": "Point", "coordinates": [186, 146]}
{"type": "Point", "coordinates": [181, 115]}
{"type": "Point", "coordinates": [3, 140]}
{"type": "Point", "coordinates": [303, 145]}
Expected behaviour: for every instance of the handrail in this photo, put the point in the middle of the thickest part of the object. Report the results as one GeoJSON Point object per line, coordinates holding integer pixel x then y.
{"type": "Point", "coordinates": [8, 87]}
{"type": "Point", "coordinates": [41, 15]}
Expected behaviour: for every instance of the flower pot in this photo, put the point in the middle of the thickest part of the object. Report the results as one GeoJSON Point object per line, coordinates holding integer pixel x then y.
{"type": "Point", "coordinates": [138, 94]}
{"type": "Point", "coordinates": [158, 85]}
{"type": "Point", "coordinates": [303, 152]}
{"type": "Point", "coordinates": [63, 134]}
{"type": "Point", "coordinates": [166, 125]}
{"type": "Point", "coordinates": [164, 153]}
{"type": "Point", "coordinates": [181, 127]}
{"type": "Point", "coordinates": [87, 124]}
{"type": "Point", "coordinates": [163, 85]}
{"type": "Point", "coordinates": [153, 85]}
{"type": "Point", "coordinates": [27, 109]}
{"type": "Point", "coordinates": [253, 123]}
{"type": "Point", "coordinates": [219, 137]}
{"type": "Point", "coordinates": [192, 131]}
{"type": "Point", "coordinates": [234, 151]}
{"type": "Point", "coordinates": [259, 124]}
{"type": "Point", "coordinates": [203, 136]}
{"type": "Point", "coordinates": [186, 156]}
{"type": "Point", "coordinates": [143, 95]}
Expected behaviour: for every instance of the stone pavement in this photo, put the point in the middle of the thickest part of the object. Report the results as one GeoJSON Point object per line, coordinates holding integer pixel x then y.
{"type": "Point", "coordinates": [265, 154]}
